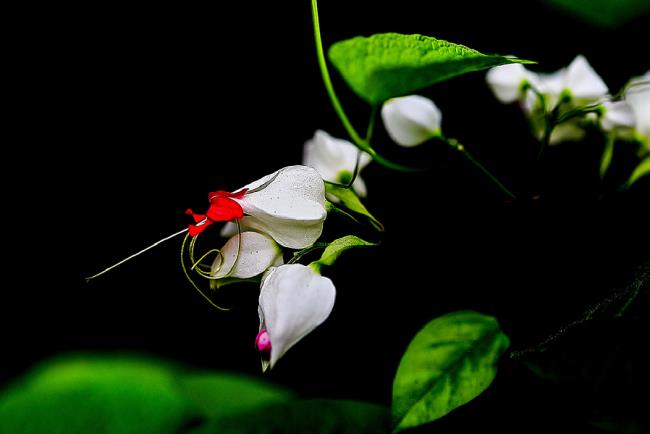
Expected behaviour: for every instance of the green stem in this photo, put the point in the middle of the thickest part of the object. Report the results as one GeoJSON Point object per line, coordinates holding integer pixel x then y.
{"type": "Point", "coordinates": [360, 142]}
{"type": "Point", "coordinates": [299, 254]}
{"type": "Point", "coordinates": [328, 81]}
{"type": "Point", "coordinates": [460, 148]}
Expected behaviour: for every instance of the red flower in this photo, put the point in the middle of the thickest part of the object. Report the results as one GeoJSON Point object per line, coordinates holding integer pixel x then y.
{"type": "Point", "coordinates": [222, 209]}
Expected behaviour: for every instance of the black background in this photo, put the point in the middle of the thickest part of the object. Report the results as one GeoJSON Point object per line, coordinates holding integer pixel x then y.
{"type": "Point", "coordinates": [130, 114]}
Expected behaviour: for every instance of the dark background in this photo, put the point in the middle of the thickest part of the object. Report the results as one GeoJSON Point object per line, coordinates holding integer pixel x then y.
{"type": "Point", "coordinates": [131, 114]}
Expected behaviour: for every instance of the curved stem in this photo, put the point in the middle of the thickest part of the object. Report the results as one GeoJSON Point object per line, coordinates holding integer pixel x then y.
{"type": "Point", "coordinates": [460, 148]}
{"type": "Point", "coordinates": [360, 142]}
{"type": "Point", "coordinates": [328, 81]}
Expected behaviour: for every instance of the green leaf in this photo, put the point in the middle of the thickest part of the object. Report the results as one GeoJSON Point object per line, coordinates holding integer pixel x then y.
{"type": "Point", "coordinates": [218, 395]}
{"type": "Point", "coordinates": [95, 395]}
{"type": "Point", "coordinates": [643, 169]}
{"type": "Point", "coordinates": [352, 202]}
{"type": "Point", "coordinates": [449, 362]}
{"type": "Point", "coordinates": [389, 65]}
{"type": "Point", "coordinates": [336, 249]}
{"type": "Point", "coordinates": [319, 416]}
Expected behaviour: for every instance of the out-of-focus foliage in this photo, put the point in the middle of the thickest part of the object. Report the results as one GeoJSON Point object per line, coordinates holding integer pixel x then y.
{"type": "Point", "coordinates": [605, 13]}
{"type": "Point", "coordinates": [124, 395]}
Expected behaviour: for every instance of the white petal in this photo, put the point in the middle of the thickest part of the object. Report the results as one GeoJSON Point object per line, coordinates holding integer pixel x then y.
{"type": "Point", "coordinates": [289, 206]}
{"type": "Point", "coordinates": [638, 96]}
{"type": "Point", "coordinates": [258, 252]}
{"type": "Point", "coordinates": [331, 156]}
{"type": "Point", "coordinates": [506, 81]}
{"type": "Point", "coordinates": [411, 120]}
{"type": "Point", "coordinates": [359, 187]}
{"type": "Point", "coordinates": [294, 300]}
{"type": "Point", "coordinates": [618, 114]}
{"type": "Point", "coordinates": [583, 82]}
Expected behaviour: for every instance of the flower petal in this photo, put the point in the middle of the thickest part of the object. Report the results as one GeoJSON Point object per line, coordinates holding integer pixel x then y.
{"type": "Point", "coordinates": [294, 300]}
{"type": "Point", "coordinates": [618, 114]}
{"type": "Point", "coordinates": [638, 96]}
{"type": "Point", "coordinates": [289, 206]}
{"type": "Point", "coordinates": [258, 252]}
{"type": "Point", "coordinates": [411, 120]}
{"type": "Point", "coordinates": [583, 82]}
{"type": "Point", "coordinates": [331, 156]}
{"type": "Point", "coordinates": [506, 81]}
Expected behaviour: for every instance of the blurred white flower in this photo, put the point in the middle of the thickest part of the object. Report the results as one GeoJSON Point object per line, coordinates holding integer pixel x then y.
{"type": "Point", "coordinates": [256, 253]}
{"type": "Point", "coordinates": [411, 120]}
{"type": "Point", "coordinates": [288, 205]}
{"type": "Point", "coordinates": [616, 116]}
{"type": "Point", "coordinates": [509, 82]}
{"type": "Point", "coordinates": [335, 160]}
{"type": "Point", "coordinates": [638, 97]}
{"type": "Point", "coordinates": [293, 301]}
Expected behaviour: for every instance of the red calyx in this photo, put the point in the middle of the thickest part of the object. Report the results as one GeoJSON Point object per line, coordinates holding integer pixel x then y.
{"type": "Point", "coordinates": [222, 209]}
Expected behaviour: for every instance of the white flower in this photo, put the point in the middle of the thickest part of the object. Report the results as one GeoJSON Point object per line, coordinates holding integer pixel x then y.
{"type": "Point", "coordinates": [288, 205]}
{"type": "Point", "coordinates": [508, 81]}
{"type": "Point", "coordinates": [638, 96]}
{"type": "Point", "coordinates": [582, 82]}
{"type": "Point", "coordinates": [617, 115]}
{"type": "Point", "coordinates": [578, 83]}
{"type": "Point", "coordinates": [294, 300]}
{"type": "Point", "coordinates": [411, 120]}
{"type": "Point", "coordinates": [255, 255]}
{"type": "Point", "coordinates": [335, 160]}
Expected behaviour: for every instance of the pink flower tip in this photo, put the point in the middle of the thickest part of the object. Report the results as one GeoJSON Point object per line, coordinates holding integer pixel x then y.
{"type": "Point", "coordinates": [263, 342]}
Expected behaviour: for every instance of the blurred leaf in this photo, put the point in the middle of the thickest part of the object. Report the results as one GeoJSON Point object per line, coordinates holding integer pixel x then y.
{"type": "Point", "coordinates": [219, 395]}
{"type": "Point", "coordinates": [94, 395]}
{"type": "Point", "coordinates": [606, 158]}
{"type": "Point", "coordinates": [337, 247]}
{"type": "Point", "coordinates": [604, 13]}
{"type": "Point", "coordinates": [389, 65]}
{"type": "Point", "coordinates": [319, 416]}
{"type": "Point", "coordinates": [123, 395]}
{"type": "Point", "coordinates": [352, 202]}
{"type": "Point", "coordinates": [448, 363]}
{"type": "Point", "coordinates": [643, 169]}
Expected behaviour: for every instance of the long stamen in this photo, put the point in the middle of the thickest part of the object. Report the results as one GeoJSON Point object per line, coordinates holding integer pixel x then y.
{"type": "Point", "coordinates": [136, 254]}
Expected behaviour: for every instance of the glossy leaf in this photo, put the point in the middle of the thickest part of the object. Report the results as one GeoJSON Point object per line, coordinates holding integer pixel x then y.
{"type": "Point", "coordinates": [389, 65]}
{"type": "Point", "coordinates": [448, 363]}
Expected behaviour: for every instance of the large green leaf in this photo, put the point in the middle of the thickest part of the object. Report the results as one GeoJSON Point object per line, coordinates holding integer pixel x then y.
{"type": "Point", "coordinates": [449, 362]}
{"type": "Point", "coordinates": [388, 65]}
{"type": "Point", "coordinates": [319, 416]}
{"type": "Point", "coordinates": [94, 395]}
